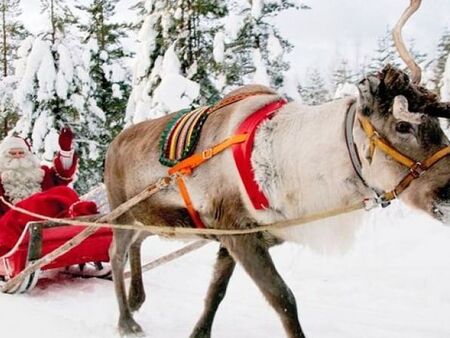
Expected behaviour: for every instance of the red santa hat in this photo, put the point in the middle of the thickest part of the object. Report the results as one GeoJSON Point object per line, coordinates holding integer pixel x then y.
{"type": "Point", "coordinates": [14, 141]}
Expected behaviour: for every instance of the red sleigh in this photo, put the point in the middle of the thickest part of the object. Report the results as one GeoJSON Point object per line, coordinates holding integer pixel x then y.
{"type": "Point", "coordinates": [36, 242]}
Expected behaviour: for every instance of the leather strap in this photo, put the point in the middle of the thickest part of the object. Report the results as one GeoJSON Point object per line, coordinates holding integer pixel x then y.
{"type": "Point", "coordinates": [351, 146]}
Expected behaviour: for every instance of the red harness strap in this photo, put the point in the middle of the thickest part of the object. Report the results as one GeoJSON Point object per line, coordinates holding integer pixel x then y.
{"type": "Point", "coordinates": [242, 152]}
{"type": "Point", "coordinates": [242, 143]}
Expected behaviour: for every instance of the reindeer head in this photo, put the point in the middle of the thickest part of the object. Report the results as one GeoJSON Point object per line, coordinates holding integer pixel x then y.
{"type": "Point", "coordinates": [405, 116]}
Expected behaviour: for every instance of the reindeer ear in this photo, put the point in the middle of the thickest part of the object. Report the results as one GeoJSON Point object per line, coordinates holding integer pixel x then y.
{"type": "Point", "coordinates": [401, 111]}
{"type": "Point", "coordinates": [367, 89]}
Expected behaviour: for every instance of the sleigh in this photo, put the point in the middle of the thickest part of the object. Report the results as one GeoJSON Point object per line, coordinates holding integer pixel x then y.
{"type": "Point", "coordinates": [38, 239]}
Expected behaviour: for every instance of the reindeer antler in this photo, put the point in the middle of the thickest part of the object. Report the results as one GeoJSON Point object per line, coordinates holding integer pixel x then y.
{"type": "Point", "coordinates": [416, 72]}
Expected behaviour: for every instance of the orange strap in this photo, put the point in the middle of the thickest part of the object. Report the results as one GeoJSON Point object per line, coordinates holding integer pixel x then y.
{"type": "Point", "coordinates": [188, 203]}
{"type": "Point", "coordinates": [187, 166]}
{"type": "Point", "coordinates": [377, 141]}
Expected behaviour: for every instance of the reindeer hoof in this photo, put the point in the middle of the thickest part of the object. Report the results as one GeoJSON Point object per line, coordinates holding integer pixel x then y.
{"type": "Point", "coordinates": [129, 328]}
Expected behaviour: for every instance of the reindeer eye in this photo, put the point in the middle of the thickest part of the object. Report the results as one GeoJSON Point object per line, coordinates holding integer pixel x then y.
{"type": "Point", "coordinates": [404, 127]}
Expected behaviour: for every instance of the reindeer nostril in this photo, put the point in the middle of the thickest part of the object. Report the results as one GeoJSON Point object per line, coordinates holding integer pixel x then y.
{"type": "Point", "coordinates": [443, 193]}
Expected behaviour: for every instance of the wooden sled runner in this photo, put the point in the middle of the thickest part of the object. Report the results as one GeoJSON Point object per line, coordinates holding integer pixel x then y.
{"type": "Point", "coordinates": [37, 240]}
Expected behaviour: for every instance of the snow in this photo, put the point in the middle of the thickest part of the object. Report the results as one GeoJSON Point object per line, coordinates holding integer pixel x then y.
{"type": "Point", "coordinates": [260, 76]}
{"type": "Point", "coordinates": [445, 89]}
{"type": "Point", "coordinates": [290, 86]}
{"type": "Point", "coordinates": [38, 63]}
{"type": "Point", "coordinates": [218, 47]}
{"type": "Point", "coordinates": [40, 129]}
{"type": "Point", "coordinates": [232, 25]}
{"type": "Point", "coordinates": [173, 93]}
{"type": "Point", "coordinates": [394, 283]}
{"type": "Point", "coordinates": [274, 47]}
{"type": "Point", "coordinates": [51, 145]}
{"type": "Point", "coordinates": [65, 72]}
{"type": "Point", "coordinates": [257, 8]}
{"type": "Point", "coordinates": [345, 89]}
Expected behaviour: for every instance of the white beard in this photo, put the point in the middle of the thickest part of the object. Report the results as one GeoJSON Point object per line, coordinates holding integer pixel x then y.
{"type": "Point", "coordinates": [21, 178]}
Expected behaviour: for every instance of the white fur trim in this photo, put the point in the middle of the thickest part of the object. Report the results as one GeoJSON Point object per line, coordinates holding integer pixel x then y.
{"type": "Point", "coordinates": [68, 153]}
{"type": "Point", "coordinates": [11, 142]}
{"type": "Point", "coordinates": [66, 158]}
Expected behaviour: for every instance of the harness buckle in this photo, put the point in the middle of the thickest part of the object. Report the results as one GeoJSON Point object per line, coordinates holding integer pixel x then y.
{"type": "Point", "coordinates": [207, 154]}
{"type": "Point", "coordinates": [371, 203]}
{"type": "Point", "coordinates": [417, 170]}
{"type": "Point", "coordinates": [375, 202]}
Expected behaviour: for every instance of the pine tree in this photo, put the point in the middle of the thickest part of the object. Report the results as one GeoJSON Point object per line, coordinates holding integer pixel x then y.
{"type": "Point", "coordinates": [442, 53]}
{"type": "Point", "coordinates": [342, 74]}
{"type": "Point", "coordinates": [48, 80]}
{"type": "Point", "coordinates": [314, 92]}
{"type": "Point", "coordinates": [176, 50]}
{"type": "Point", "coordinates": [256, 53]}
{"type": "Point", "coordinates": [108, 89]}
{"type": "Point", "coordinates": [384, 53]}
{"type": "Point", "coordinates": [13, 32]}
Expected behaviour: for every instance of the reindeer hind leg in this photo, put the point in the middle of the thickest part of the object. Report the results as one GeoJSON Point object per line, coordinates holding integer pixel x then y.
{"type": "Point", "coordinates": [136, 294]}
{"type": "Point", "coordinates": [223, 270]}
{"type": "Point", "coordinates": [122, 241]}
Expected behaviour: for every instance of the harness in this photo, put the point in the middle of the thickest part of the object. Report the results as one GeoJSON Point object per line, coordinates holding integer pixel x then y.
{"type": "Point", "coordinates": [416, 168]}
{"type": "Point", "coordinates": [242, 142]}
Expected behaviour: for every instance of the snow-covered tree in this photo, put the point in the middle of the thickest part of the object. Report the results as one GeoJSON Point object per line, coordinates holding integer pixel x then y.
{"type": "Point", "coordinates": [107, 91]}
{"type": "Point", "coordinates": [255, 51]}
{"type": "Point", "coordinates": [442, 53]}
{"type": "Point", "coordinates": [342, 74]}
{"type": "Point", "coordinates": [47, 80]}
{"type": "Point", "coordinates": [384, 53]}
{"type": "Point", "coordinates": [314, 92]}
{"type": "Point", "coordinates": [445, 81]}
{"type": "Point", "coordinates": [175, 60]}
{"type": "Point", "coordinates": [13, 32]}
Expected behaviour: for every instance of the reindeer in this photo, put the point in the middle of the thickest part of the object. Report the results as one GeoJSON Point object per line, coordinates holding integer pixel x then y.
{"type": "Point", "coordinates": [301, 163]}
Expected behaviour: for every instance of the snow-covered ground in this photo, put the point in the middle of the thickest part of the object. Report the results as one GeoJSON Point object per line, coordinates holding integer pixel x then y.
{"type": "Point", "coordinates": [394, 283]}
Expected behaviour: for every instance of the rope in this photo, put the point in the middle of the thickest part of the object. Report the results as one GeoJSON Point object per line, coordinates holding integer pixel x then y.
{"type": "Point", "coordinates": [105, 221]}
{"type": "Point", "coordinates": [13, 284]}
{"type": "Point", "coordinates": [173, 231]}
{"type": "Point", "coordinates": [170, 257]}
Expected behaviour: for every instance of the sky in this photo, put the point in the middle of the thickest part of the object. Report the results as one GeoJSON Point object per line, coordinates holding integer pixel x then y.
{"type": "Point", "coordinates": [331, 30]}
{"type": "Point", "coordinates": [334, 29]}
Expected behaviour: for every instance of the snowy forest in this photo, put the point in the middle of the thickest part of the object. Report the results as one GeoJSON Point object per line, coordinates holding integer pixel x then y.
{"type": "Point", "coordinates": [97, 72]}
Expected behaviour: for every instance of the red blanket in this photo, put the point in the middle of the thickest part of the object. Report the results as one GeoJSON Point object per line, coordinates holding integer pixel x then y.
{"type": "Point", "coordinates": [59, 202]}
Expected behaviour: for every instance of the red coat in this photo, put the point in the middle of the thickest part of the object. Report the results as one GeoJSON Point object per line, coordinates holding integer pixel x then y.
{"type": "Point", "coordinates": [55, 200]}
{"type": "Point", "coordinates": [54, 176]}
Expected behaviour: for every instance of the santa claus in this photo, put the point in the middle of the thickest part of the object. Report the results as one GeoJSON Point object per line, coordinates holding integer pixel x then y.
{"type": "Point", "coordinates": [37, 188]}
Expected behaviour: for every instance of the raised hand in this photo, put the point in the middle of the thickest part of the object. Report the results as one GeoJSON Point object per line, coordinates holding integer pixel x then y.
{"type": "Point", "coordinates": [65, 139]}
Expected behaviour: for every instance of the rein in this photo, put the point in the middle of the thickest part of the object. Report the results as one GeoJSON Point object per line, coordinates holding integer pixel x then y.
{"type": "Point", "coordinates": [416, 168]}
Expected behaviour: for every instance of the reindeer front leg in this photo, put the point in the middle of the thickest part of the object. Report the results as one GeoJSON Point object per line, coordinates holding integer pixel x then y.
{"type": "Point", "coordinates": [223, 270]}
{"type": "Point", "coordinates": [252, 252]}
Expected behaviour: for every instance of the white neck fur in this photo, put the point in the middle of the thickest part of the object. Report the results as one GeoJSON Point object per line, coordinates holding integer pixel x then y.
{"type": "Point", "coordinates": [302, 164]}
